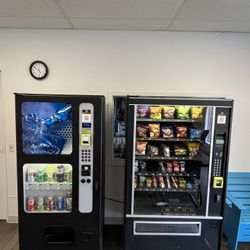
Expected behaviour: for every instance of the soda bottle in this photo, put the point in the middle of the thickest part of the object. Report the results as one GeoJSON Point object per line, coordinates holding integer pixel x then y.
{"type": "Point", "coordinates": [31, 204]}
{"type": "Point", "coordinates": [60, 173]}
{"type": "Point", "coordinates": [31, 175]}
{"type": "Point", "coordinates": [50, 173]}
{"type": "Point", "coordinates": [50, 203]}
{"type": "Point", "coordinates": [40, 203]}
{"type": "Point", "coordinates": [68, 201]}
{"type": "Point", "coordinates": [41, 175]}
{"type": "Point", "coordinates": [68, 175]}
{"type": "Point", "coordinates": [60, 203]}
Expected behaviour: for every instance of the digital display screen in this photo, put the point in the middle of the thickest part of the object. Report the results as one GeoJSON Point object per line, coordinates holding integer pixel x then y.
{"type": "Point", "coordinates": [86, 125]}
{"type": "Point", "coordinates": [219, 141]}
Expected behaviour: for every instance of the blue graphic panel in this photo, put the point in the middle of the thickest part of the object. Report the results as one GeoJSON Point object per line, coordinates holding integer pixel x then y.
{"type": "Point", "coordinates": [47, 128]}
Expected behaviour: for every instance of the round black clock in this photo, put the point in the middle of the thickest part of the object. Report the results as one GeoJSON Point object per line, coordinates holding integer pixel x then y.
{"type": "Point", "coordinates": [39, 70]}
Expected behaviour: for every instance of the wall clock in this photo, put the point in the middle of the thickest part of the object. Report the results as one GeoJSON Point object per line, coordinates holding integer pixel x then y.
{"type": "Point", "coordinates": [39, 70]}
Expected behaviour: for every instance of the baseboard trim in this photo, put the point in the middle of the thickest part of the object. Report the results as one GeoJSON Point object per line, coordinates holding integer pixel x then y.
{"type": "Point", "coordinates": [12, 219]}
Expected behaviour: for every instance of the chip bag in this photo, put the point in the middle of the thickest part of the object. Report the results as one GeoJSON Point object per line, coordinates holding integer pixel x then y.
{"type": "Point", "coordinates": [193, 148]}
{"type": "Point", "coordinates": [181, 131]}
{"type": "Point", "coordinates": [197, 113]}
{"type": "Point", "coordinates": [155, 112]}
{"type": "Point", "coordinates": [142, 111]}
{"type": "Point", "coordinates": [167, 132]}
{"type": "Point", "coordinates": [141, 147]}
{"type": "Point", "coordinates": [142, 131]}
{"type": "Point", "coordinates": [168, 112]}
{"type": "Point", "coordinates": [183, 112]}
{"type": "Point", "coordinates": [154, 130]}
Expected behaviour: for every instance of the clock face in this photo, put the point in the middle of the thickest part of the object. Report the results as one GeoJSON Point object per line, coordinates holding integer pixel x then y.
{"type": "Point", "coordinates": [39, 70]}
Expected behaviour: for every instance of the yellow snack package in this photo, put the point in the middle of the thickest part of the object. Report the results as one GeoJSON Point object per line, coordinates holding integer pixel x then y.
{"type": "Point", "coordinates": [168, 112]}
{"type": "Point", "coordinates": [197, 113]}
{"type": "Point", "coordinates": [155, 112]}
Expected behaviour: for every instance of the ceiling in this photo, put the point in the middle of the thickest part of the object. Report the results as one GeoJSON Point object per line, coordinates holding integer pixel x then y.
{"type": "Point", "coordinates": [165, 15]}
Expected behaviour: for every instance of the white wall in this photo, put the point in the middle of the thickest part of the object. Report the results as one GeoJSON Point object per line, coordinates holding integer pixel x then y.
{"type": "Point", "coordinates": [86, 62]}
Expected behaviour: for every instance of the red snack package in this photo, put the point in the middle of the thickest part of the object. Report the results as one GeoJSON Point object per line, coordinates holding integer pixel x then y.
{"type": "Point", "coordinates": [181, 131]}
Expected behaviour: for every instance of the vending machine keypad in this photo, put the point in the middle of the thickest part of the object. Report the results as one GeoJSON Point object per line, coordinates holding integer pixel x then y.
{"type": "Point", "coordinates": [86, 133]}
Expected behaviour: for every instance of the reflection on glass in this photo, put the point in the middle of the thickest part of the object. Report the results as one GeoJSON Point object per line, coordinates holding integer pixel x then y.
{"type": "Point", "coordinates": [46, 128]}
{"type": "Point", "coordinates": [119, 126]}
{"type": "Point", "coordinates": [171, 159]}
{"type": "Point", "coordinates": [47, 188]}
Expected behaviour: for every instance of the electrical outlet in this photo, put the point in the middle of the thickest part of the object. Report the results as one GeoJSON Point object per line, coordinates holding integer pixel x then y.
{"type": "Point", "coordinates": [11, 148]}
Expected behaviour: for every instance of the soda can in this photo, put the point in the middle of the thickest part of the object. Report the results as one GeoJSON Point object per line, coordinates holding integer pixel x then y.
{"type": "Point", "coordinates": [68, 201]}
{"type": "Point", "coordinates": [50, 203]}
{"type": "Point", "coordinates": [31, 175]}
{"type": "Point", "coordinates": [68, 175]}
{"type": "Point", "coordinates": [31, 204]}
{"type": "Point", "coordinates": [40, 175]}
{"type": "Point", "coordinates": [60, 203]}
{"type": "Point", "coordinates": [40, 203]}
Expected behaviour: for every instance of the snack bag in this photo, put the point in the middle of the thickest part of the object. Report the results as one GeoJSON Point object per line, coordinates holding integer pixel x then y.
{"type": "Point", "coordinates": [161, 182]}
{"type": "Point", "coordinates": [195, 133]}
{"type": "Point", "coordinates": [181, 131]}
{"type": "Point", "coordinates": [165, 150]}
{"type": "Point", "coordinates": [193, 148]}
{"type": "Point", "coordinates": [176, 166]}
{"type": "Point", "coordinates": [135, 182]}
{"type": "Point", "coordinates": [169, 166]}
{"type": "Point", "coordinates": [154, 182]}
{"type": "Point", "coordinates": [155, 112]}
{"type": "Point", "coordinates": [197, 113]}
{"type": "Point", "coordinates": [149, 181]}
{"type": "Point", "coordinates": [141, 147]}
{"type": "Point", "coordinates": [142, 111]}
{"type": "Point", "coordinates": [183, 112]}
{"type": "Point", "coordinates": [142, 181]}
{"type": "Point", "coordinates": [142, 131]}
{"type": "Point", "coordinates": [152, 150]}
{"type": "Point", "coordinates": [182, 166]}
{"type": "Point", "coordinates": [180, 150]}
{"type": "Point", "coordinates": [167, 132]}
{"type": "Point", "coordinates": [168, 112]}
{"type": "Point", "coordinates": [154, 130]}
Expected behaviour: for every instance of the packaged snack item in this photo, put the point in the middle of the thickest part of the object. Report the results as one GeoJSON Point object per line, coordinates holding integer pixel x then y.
{"type": "Point", "coordinates": [141, 147]}
{"type": "Point", "coordinates": [149, 181]}
{"type": "Point", "coordinates": [181, 131]}
{"type": "Point", "coordinates": [195, 133]}
{"type": "Point", "coordinates": [193, 148]}
{"type": "Point", "coordinates": [161, 182]}
{"type": "Point", "coordinates": [180, 150]}
{"type": "Point", "coordinates": [154, 182]}
{"type": "Point", "coordinates": [168, 112]}
{"type": "Point", "coordinates": [197, 113]}
{"type": "Point", "coordinates": [155, 112]}
{"type": "Point", "coordinates": [167, 132]}
{"type": "Point", "coordinates": [152, 150]}
{"type": "Point", "coordinates": [142, 131]}
{"type": "Point", "coordinates": [182, 183]}
{"type": "Point", "coordinates": [182, 166]}
{"type": "Point", "coordinates": [168, 182]}
{"type": "Point", "coordinates": [176, 166]}
{"type": "Point", "coordinates": [142, 111]}
{"type": "Point", "coordinates": [136, 167]}
{"type": "Point", "coordinates": [183, 112]}
{"type": "Point", "coordinates": [161, 168]}
{"type": "Point", "coordinates": [154, 130]}
{"type": "Point", "coordinates": [142, 181]}
{"type": "Point", "coordinates": [142, 166]}
{"type": "Point", "coordinates": [169, 166]}
{"type": "Point", "coordinates": [174, 182]}
{"type": "Point", "coordinates": [165, 150]}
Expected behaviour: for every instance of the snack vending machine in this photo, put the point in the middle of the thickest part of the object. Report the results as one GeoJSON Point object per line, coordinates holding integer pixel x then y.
{"type": "Point", "coordinates": [60, 171]}
{"type": "Point", "coordinates": [176, 171]}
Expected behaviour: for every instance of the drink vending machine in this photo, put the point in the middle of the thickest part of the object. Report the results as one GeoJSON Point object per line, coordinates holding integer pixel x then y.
{"type": "Point", "coordinates": [60, 161]}
{"type": "Point", "coordinates": [176, 172]}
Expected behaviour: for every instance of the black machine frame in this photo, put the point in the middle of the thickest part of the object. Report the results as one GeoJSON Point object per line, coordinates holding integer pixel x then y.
{"type": "Point", "coordinates": [209, 228]}
{"type": "Point", "coordinates": [72, 230]}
